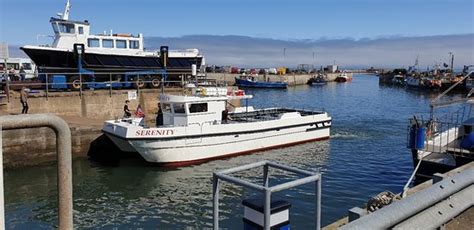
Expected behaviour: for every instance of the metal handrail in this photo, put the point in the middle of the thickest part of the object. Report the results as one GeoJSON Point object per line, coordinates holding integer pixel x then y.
{"type": "Point", "coordinates": [63, 147]}
{"type": "Point", "coordinates": [224, 175]}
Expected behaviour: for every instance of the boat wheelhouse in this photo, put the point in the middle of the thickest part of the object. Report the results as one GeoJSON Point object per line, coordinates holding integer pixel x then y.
{"type": "Point", "coordinates": [103, 52]}
{"type": "Point", "coordinates": [198, 128]}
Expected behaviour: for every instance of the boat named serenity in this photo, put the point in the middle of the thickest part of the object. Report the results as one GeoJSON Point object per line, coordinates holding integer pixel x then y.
{"type": "Point", "coordinates": [198, 127]}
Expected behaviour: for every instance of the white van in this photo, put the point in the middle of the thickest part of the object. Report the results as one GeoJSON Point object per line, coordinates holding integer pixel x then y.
{"type": "Point", "coordinates": [16, 64]}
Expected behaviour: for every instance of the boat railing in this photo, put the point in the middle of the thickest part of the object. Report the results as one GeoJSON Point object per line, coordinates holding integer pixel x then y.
{"type": "Point", "coordinates": [269, 114]}
{"type": "Point", "coordinates": [438, 135]}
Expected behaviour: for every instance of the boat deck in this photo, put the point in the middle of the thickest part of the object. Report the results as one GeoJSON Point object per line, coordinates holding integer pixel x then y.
{"type": "Point", "coordinates": [267, 114]}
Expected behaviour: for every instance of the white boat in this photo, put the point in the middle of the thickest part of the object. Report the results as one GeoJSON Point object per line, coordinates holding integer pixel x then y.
{"type": "Point", "coordinates": [195, 129]}
{"type": "Point", "coordinates": [343, 77]}
{"type": "Point", "coordinates": [413, 81]}
{"type": "Point", "coordinates": [444, 142]}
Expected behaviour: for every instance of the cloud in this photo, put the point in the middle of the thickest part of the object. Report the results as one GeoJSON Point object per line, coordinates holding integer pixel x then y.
{"type": "Point", "coordinates": [388, 52]}
{"type": "Point", "coordinates": [385, 52]}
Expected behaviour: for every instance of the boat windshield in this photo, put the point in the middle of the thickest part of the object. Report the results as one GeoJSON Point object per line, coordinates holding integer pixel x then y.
{"type": "Point", "coordinates": [65, 28]}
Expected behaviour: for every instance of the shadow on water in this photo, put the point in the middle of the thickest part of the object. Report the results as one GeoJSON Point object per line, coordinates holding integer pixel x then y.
{"type": "Point", "coordinates": [365, 155]}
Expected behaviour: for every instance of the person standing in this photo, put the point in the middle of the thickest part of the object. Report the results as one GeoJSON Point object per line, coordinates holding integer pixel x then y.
{"type": "Point", "coordinates": [126, 110]}
{"type": "Point", "coordinates": [24, 100]}
{"type": "Point", "coordinates": [22, 74]}
{"type": "Point", "coordinates": [159, 116]}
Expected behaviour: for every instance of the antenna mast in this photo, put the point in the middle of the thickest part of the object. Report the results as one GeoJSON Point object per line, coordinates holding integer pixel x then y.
{"type": "Point", "coordinates": [65, 15]}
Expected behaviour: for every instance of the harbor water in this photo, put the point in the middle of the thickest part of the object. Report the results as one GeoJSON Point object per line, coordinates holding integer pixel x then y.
{"type": "Point", "coordinates": [366, 155]}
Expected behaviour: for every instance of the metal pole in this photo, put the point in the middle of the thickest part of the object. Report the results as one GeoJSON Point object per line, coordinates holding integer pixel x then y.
{"type": "Point", "coordinates": [318, 202]}
{"type": "Point", "coordinates": [215, 201]}
{"type": "Point", "coordinates": [80, 84]}
{"type": "Point", "coordinates": [5, 67]}
{"type": "Point", "coordinates": [63, 146]}
{"type": "Point", "coordinates": [266, 210]}
{"type": "Point", "coordinates": [110, 84]}
{"type": "Point", "coordinates": [47, 87]}
{"type": "Point", "coordinates": [2, 201]}
{"type": "Point", "coordinates": [265, 175]}
{"type": "Point", "coordinates": [138, 86]}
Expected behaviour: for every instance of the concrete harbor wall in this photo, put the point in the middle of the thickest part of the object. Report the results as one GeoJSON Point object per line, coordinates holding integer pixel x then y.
{"type": "Point", "coordinates": [93, 104]}
{"type": "Point", "coordinates": [292, 79]}
{"type": "Point", "coordinates": [26, 147]}
{"type": "Point", "coordinates": [85, 116]}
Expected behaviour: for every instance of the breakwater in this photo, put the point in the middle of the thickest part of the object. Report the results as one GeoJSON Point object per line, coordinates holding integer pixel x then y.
{"type": "Point", "coordinates": [291, 79]}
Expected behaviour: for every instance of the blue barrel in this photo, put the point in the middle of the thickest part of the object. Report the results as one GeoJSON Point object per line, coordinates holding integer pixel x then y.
{"type": "Point", "coordinates": [417, 137]}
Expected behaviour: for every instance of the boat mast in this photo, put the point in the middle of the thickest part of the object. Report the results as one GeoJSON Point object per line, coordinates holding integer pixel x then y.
{"type": "Point", "coordinates": [67, 8]}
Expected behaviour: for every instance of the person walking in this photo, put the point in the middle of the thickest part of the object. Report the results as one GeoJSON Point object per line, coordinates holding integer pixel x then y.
{"type": "Point", "coordinates": [24, 100]}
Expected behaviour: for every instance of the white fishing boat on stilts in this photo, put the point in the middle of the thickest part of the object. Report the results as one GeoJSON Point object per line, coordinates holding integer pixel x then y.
{"type": "Point", "coordinates": [198, 128]}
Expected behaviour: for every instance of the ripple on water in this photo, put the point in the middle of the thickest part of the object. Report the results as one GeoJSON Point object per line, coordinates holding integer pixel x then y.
{"type": "Point", "coordinates": [365, 155]}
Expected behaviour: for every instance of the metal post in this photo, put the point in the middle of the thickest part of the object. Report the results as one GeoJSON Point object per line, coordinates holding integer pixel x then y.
{"type": "Point", "coordinates": [47, 87]}
{"type": "Point", "coordinates": [138, 86]}
{"type": "Point", "coordinates": [110, 84]}
{"type": "Point", "coordinates": [2, 201]}
{"type": "Point", "coordinates": [63, 147]}
{"type": "Point", "coordinates": [215, 203]}
{"type": "Point", "coordinates": [80, 83]}
{"type": "Point", "coordinates": [7, 79]}
{"type": "Point", "coordinates": [265, 175]}
{"type": "Point", "coordinates": [318, 203]}
{"type": "Point", "coordinates": [266, 210]}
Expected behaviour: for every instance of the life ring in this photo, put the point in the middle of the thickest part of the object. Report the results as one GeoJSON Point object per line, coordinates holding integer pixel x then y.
{"type": "Point", "coordinates": [140, 83]}
{"type": "Point", "coordinates": [155, 82]}
{"type": "Point", "coordinates": [76, 84]}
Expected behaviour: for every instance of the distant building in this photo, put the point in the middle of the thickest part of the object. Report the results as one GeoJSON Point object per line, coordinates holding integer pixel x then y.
{"type": "Point", "coordinates": [332, 68]}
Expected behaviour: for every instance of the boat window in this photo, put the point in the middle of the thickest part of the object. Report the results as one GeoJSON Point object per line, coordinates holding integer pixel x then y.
{"type": "Point", "coordinates": [179, 108]}
{"type": "Point", "coordinates": [122, 44]}
{"type": "Point", "coordinates": [166, 108]}
{"type": "Point", "coordinates": [198, 108]}
{"type": "Point", "coordinates": [55, 27]}
{"type": "Point", "coordinates": [13, 65]}
{"type": "Point", "coordinates": [93, 42]}
{"type": "Point", "coordinates": [81, 30]}
{"type": "Point", "coordinates": [134, 44]}
{"type": "Point", "coordinates": [26, 66]}
{"type": "Point", "coordinates": [108, 43]}
{"type": "Point", "coordinates": [66, 28]}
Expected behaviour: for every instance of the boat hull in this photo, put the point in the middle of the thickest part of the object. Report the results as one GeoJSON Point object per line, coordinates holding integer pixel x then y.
{"type": "Point", "coordinates": [51, 60]}
{"type": "Point", "coordinates": [178, 153]}
{"type": "Point", "coordinates": [259, 84]}
{"type": "Point", "coordinates": [197, 146]}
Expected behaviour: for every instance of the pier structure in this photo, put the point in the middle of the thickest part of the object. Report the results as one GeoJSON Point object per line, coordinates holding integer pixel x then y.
{"type": "Point", "coordinates": [292, 79]}
{"type": "Point", "coordinates": [445, 201]}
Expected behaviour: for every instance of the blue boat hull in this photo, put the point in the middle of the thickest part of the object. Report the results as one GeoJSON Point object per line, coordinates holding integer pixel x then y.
{"type": "Point", "coordinates": [260, 84]}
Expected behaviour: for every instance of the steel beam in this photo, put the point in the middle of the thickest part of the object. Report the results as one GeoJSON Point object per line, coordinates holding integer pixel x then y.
{"type": "Point", "coordinates": [399, 211]}
{"type": "Point", "coordinates": [442, 212]}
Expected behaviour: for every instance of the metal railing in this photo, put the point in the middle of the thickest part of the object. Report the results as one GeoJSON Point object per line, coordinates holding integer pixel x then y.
{"type": "Point", "coordinates": [267, 191]}
{"type": "Point", "coordinates": [441, 135]}
{"type": "Point", "coordinates": [79, 82]}
{"type": "Point", "coordinates": [63, 147]}
{"type": "Point", "coordinates": [427, 209]}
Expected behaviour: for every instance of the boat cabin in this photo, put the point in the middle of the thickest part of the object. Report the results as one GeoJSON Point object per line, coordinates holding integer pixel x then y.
{"type": "Point", "coordinates": [187, 110]}
{"type": "Point", "coordinates": [67, 33]}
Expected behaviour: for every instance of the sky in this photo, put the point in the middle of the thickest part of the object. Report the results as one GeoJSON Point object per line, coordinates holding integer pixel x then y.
{"type": "Point", "coordinates": [22, 20]}
{"type": "Point", "coordinates": [286, 20]}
